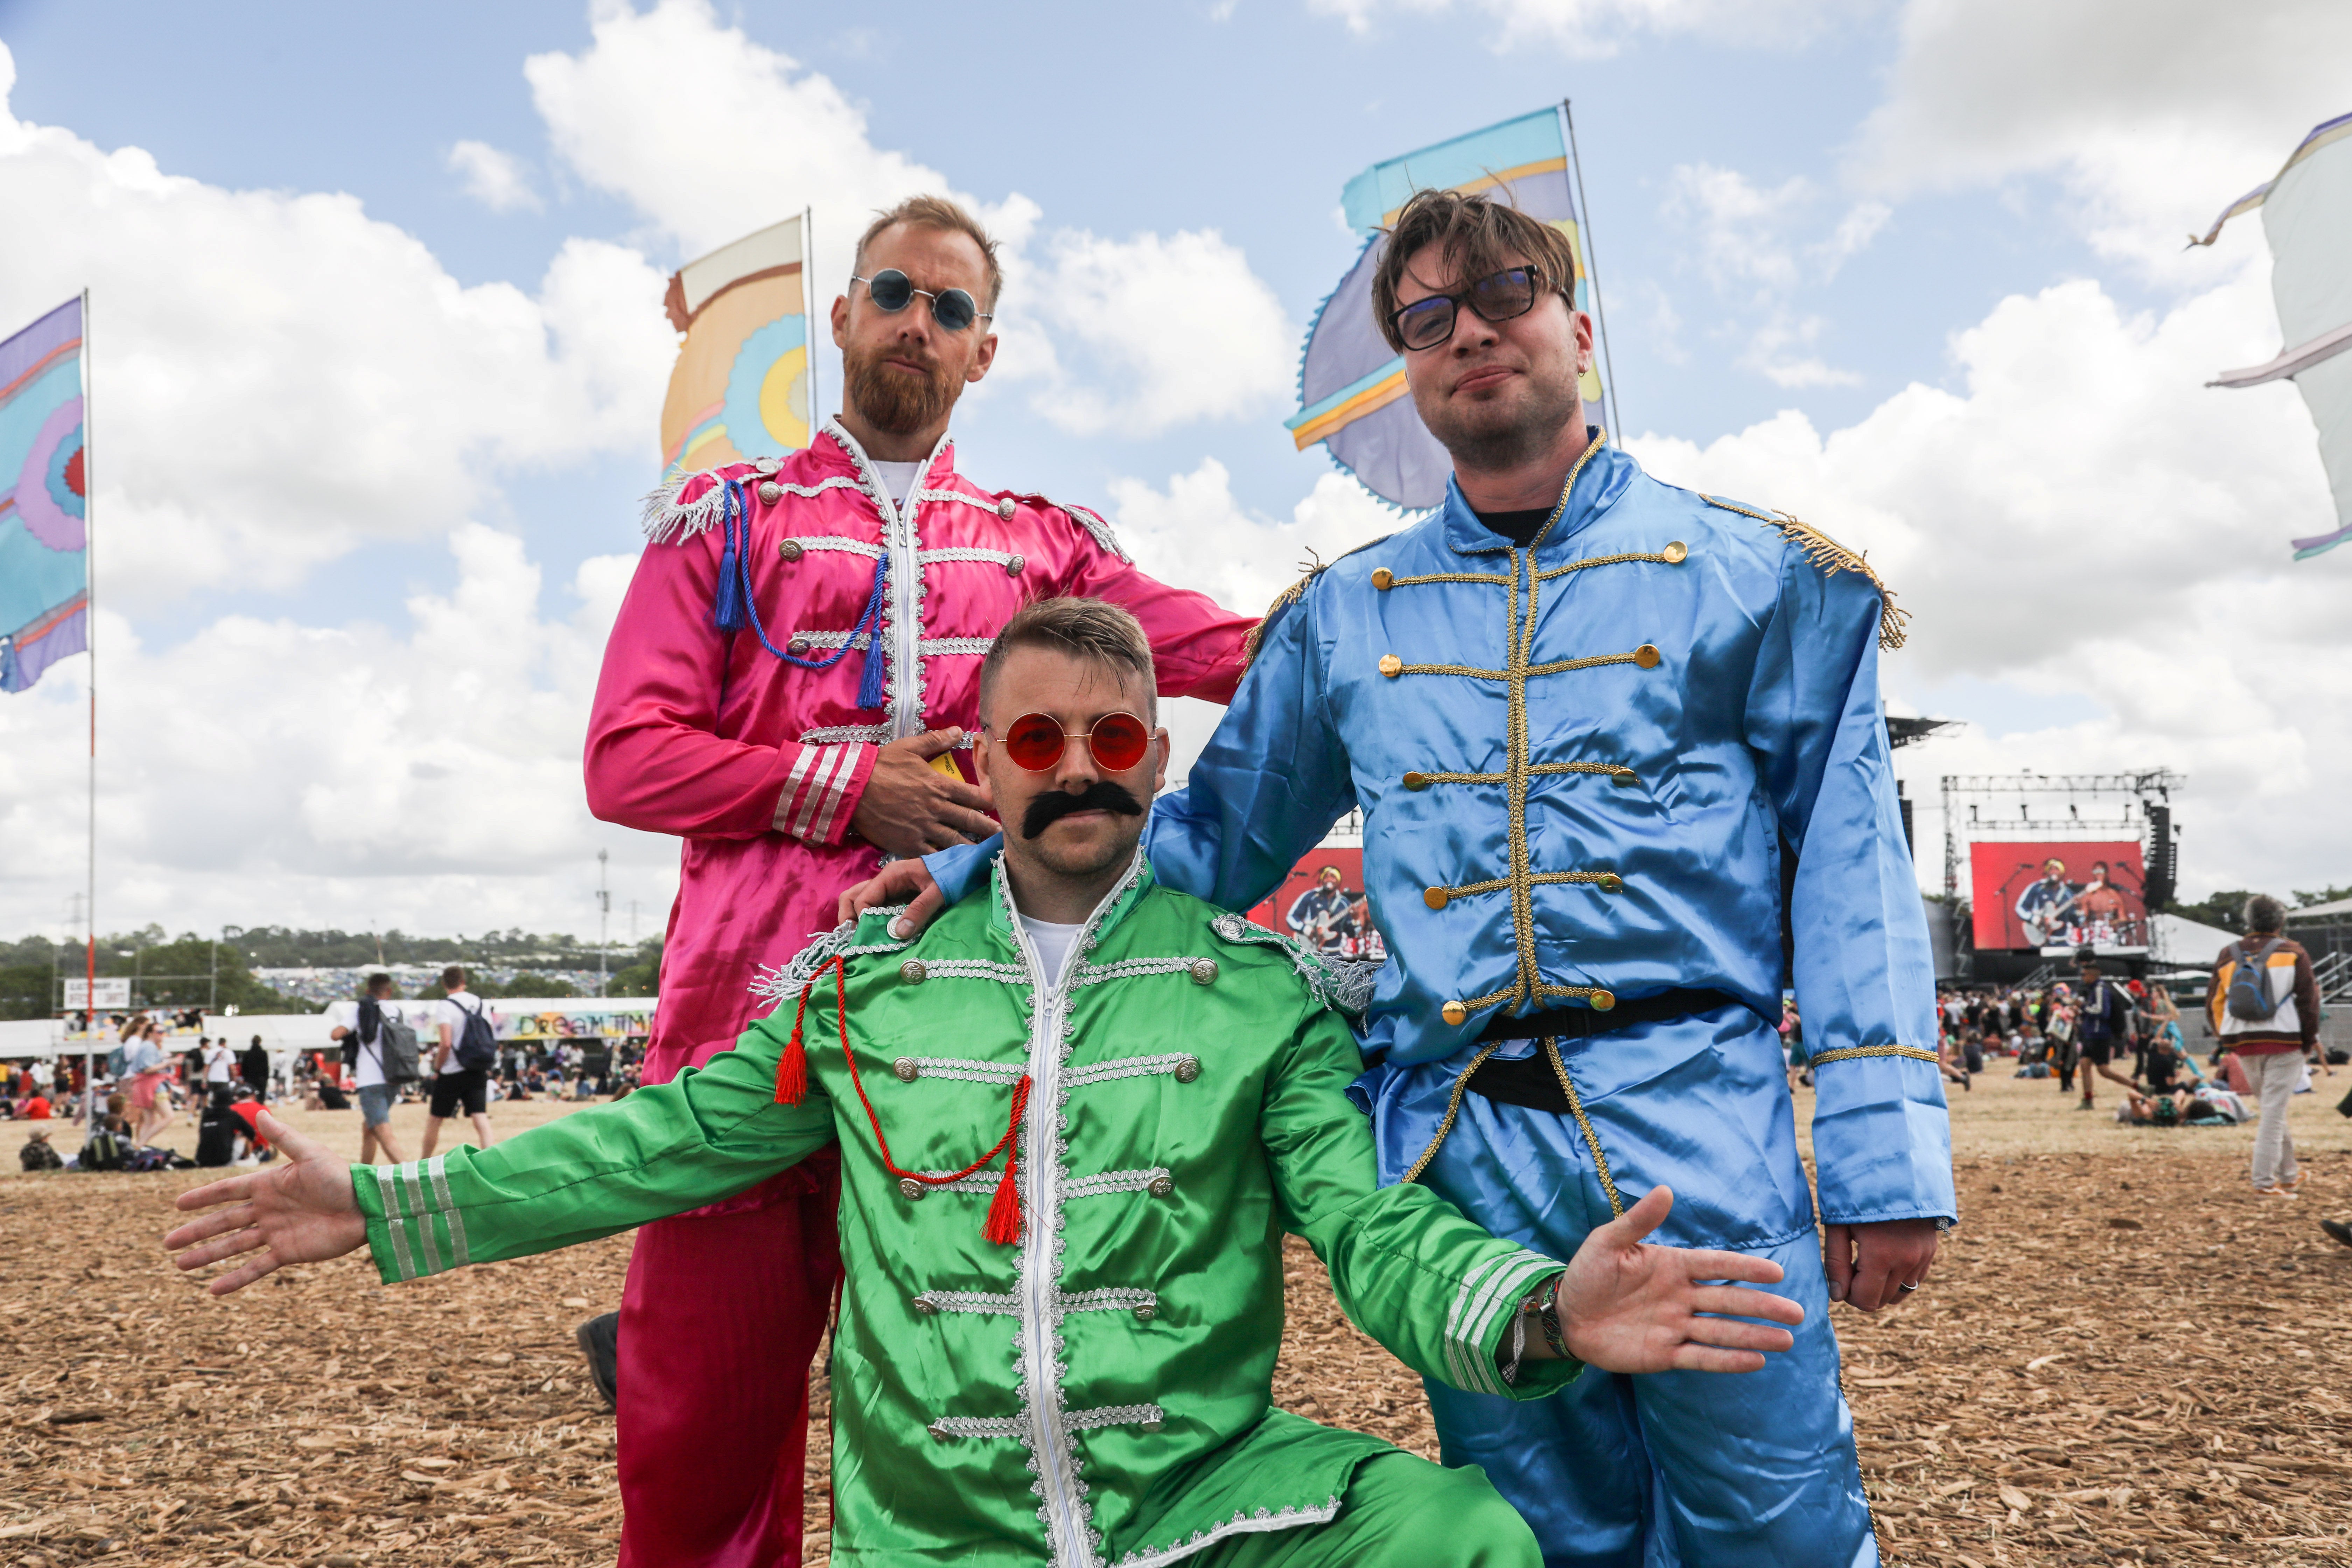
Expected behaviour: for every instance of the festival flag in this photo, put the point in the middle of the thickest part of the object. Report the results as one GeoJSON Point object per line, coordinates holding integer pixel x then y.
{"type": "Point", "coordinates": [2308, 218]}
{"type": "Point", "coordinates": [741, 388]}
{"type": "Point", "coordinates": [44, 505]}
{"type": "Point", "coordinates": [1351, 389]}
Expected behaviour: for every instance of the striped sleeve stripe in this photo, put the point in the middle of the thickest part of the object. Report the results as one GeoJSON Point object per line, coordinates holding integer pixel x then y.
{"type": "Point", "coordinates": [1466, 1372]}
{"type": "Point", "coordinates": [388, 1187]}
{"type": "Point", "coordinates": [449, 1215]}
{"type": "Point", "coordinates": [813, 795]}
{"type": "Point", "coordinates": [836, 791]}
{"type": "Point", "coordinates": [1490, 1291]}
{"type": "Point", "coordinates": [424, 1207]}
{"type": "Point", "coordinates": [793, 780]}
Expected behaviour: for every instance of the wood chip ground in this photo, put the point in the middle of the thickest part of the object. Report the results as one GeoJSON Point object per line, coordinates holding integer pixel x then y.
{"type": "Point", "coordinates": [2123, 1357]}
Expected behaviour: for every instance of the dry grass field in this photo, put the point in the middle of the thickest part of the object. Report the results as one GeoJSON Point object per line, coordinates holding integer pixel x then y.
{"type": "Point", "coordinates": [2123, 1357]}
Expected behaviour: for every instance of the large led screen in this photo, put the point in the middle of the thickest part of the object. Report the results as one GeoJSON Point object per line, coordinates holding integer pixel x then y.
{"type": "Point", "coordinates": [2041, 894]}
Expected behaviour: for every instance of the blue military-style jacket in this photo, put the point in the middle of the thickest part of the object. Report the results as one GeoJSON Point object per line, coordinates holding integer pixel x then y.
{"type": "Point", "coordinates": [1584, 766]}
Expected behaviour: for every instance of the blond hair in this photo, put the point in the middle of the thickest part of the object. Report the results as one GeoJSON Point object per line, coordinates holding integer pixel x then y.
{"type": "Point", "coordinates": [937, 211]}
{"type": "Point", "coordinates": [1091, 629]}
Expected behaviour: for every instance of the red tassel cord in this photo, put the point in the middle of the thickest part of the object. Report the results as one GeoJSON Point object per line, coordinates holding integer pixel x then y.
{"type": "Point", "coordinates": [1004, 1223]}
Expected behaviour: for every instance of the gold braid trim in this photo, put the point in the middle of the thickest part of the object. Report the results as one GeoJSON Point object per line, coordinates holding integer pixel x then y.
{"type": "Point", "coordinates": [1845, 1052]}
{"type": "Point", "coordinates": [1453, 1108]}
{"type": "Point", "coordinates": [1539, 879]}
{"type": "Point", "coordinates": [1550, 573]}
{"type": "Point", "coordinates": [1831, 558]}
{"type": "Point", "coordinates": [1562, 666]}
{"type": "Point", "coordinates": [1475, 674]}
{"type": "Point", "coordinates": [1576, 1106]}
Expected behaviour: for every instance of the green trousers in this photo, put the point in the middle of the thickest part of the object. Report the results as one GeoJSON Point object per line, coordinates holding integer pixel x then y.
{"type": "Point", "coordinates": [1400, 1510]}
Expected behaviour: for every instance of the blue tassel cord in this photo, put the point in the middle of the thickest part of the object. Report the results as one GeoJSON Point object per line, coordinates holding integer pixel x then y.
{"type": "Point", "coordinates": [732, 606]}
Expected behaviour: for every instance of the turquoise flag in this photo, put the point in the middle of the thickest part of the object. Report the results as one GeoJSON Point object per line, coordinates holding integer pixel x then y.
{"type": "Point", "coordinates": [44, 499]}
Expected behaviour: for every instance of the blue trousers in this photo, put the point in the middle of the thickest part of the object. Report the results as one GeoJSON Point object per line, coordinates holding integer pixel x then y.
{"type": "Point", "coordinates": [1676, 1469]}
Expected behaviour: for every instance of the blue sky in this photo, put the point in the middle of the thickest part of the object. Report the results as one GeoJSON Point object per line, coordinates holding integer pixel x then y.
{"type": "Point", "coordinates": [1911, 270]}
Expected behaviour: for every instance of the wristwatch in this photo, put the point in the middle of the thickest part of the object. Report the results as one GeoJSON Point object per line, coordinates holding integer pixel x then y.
{"type": "Point", "coordinates": [1543, 1305]}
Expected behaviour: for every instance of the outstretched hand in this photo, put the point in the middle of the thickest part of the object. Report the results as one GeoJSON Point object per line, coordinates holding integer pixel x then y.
{"type": "Point", "coordinates": [1628, 1306]}
{"type": "Point", "coordinates": [299, 1212]}
{"type": "Point", "coordinates": [905, 882]}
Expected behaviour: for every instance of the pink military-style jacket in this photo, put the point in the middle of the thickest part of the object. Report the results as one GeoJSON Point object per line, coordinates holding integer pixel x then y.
{"type": "Point", "coordinates": [700, 730]}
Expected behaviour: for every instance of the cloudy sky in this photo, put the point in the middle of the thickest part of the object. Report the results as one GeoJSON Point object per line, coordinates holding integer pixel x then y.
{"type": "Point", "coordinates": [380, 355]}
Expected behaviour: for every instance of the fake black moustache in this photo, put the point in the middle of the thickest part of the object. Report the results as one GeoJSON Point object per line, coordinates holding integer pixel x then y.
{"type": "Point", "coordinates": [1103, 794]}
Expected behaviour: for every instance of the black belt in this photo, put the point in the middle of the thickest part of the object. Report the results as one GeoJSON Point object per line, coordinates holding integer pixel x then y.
{"type": "Point", "coordinates": [1532, 1082]}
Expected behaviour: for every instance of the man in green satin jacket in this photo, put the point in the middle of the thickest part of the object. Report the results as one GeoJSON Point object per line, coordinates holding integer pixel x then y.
{"type": "Point", "coordinates": [1075, 1119]}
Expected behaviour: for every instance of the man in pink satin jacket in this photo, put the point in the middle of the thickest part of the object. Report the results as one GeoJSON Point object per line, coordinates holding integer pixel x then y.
{"type": "Point", "coordinates": [787, 689]}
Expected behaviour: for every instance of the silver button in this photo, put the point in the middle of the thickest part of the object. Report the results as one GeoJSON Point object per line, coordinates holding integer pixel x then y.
{"type": "Point", "coordinates": [938, 1431]}
{"type": "Point", "coordinates": [797, 645]}
{"type": "Point", "coordinates": [1160, 1186]}
{"type": "Point", "coordinates": [1187, 1069]}
{"type": "Point", "coordinates": [905, 1069]}
{"type": "Point", "coordinates": [1145, 1311]}
{"type": "Point", "coordinates": [791, 550]}
{"type": "Point", "coordinates": [1013, 567]}
{"type": "Point", "coordinates": [768, 464]}
{"type": "Point", "coordinates": [1152, 1424]}
{"type": "Point", "coordinates": [911, 1190]}
{"type": "Point", "coordinates": [1205, 972]}
{"type": "Point", "coordinates": [1004, 508]}
{"type": "Point", "coordinates": [771, 492]}
{"type": "Point", "coordinates": [925, 1306]}
{"type": "Point", "coordinates": [1227, 926]}
{"type": "Point", "coordinates": [912, 972]}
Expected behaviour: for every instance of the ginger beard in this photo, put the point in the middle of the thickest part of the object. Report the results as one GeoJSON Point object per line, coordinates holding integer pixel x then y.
{"type": "Point", "coordinates": [889, 398]}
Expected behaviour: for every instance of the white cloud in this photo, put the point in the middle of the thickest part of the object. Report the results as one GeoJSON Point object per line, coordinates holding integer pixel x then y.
{"type": "Point", "coordinates": [1138, 334]}
{"type": "Point", "coordinates": [1595, 29]}
{"type": "Point", "coordinates": [1749, 249]}
{"type": "Point", "coordinates": [493, 178]}
{"type": "Point", "coordinates": [301, 378]}
{"type": "Point", "coordinates": [2155, 115]}
{"type": "Point", "coordinates": [2085, 517]}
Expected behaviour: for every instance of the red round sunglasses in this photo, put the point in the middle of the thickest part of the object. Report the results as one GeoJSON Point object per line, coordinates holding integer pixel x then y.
{"type": "Point", "coordinates": [1036, 741]}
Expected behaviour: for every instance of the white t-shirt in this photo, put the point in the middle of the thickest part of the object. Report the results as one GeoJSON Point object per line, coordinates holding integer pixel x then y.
{"type": "Point", "coordinates": [1052, 944]}
{"type": "Point", "coordinates": [453, 1012]}
{"type": "Point", "coordinates": [898, 479]}
{"type": "Point", "coordinates": [218, 1059]}
{"type": "Point", "coordinates": [368, 1072]}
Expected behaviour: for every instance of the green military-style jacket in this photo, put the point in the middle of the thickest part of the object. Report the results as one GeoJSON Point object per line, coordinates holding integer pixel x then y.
{"type": "Point", "coordinates": [1100, 1391]}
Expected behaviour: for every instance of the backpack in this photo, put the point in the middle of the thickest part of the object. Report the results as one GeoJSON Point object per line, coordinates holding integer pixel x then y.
{"type": "Point", "coordinates": [116, 1061]}
{"type": "Point", "coordinates": [36, 1155]}
{"type": "Point", "coordinates": [2250, 985]}
{"type": "Point", "coordinates": [476, 1047]}
{"type": "Point", "coordinates": [104, 1151]}
{"type": "Point", "coordinates": [396, 1044]}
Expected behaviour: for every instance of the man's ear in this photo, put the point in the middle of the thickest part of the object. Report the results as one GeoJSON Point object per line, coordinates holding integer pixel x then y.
{"type": "Point", "coordinates": [840, 317]}
{"type": "Point", "coordinates": [1162, 746]}
{"type": "Point", "coordinates": [980, 361]}
{"type": "Point", "coordinates": [982, 751]}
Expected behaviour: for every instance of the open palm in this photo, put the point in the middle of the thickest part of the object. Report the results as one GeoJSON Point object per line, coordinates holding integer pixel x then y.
{"type": "Point", "coordinates": [300, 1211]}
{"type": "Point", "coordinates": [1628, 1306]}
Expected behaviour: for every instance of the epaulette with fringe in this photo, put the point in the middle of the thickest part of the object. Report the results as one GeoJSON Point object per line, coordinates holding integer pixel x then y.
{"type": "Point", "coordinates": [667, 519]}
{"type": "Point", "coordinates": [1295, 591]}
{"type": "Point", "coordinates": [1344, 985]}
{"type": "Point", "coordinates": [1832, 558]}
{"type": "Point", "coordinates": [783, 982]}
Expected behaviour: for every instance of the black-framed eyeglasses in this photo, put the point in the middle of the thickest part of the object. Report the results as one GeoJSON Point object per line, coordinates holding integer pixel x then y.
{"type": "Point", "coordinates": [952, 309]}
{"type": "Point", "coordinates": [1513, 292]}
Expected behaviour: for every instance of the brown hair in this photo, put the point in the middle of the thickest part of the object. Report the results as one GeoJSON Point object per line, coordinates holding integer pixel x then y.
{"type": "Point", "coordinates": [453, 976]}
{"type": "Point", "coordinates": [2264, 915]}
{"type": "Point", "coordinates": [1478, 235]}
{"type": "Point", "coordinates": [937, 211]}
{"type": "Point", "coordinates": [1092, 629]}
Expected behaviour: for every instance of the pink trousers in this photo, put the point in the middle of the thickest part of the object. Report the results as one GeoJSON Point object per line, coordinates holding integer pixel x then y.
{"type": "Point", "coordinates": [723, 1311]}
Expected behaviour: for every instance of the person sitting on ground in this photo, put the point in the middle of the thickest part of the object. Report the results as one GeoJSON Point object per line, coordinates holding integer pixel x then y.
{"type": "Point", "coordinates": [1948, 1061]}
{"type": "Point", "coordinates": [2170, 1066]}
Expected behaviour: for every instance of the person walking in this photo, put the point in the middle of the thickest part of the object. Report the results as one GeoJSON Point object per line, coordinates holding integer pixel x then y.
{"type": "Point", "coordinates": [2264, 1006]}
{"type": "Point", "coordinates": [456, 1084]}
{"type": "Point", "coordinates": [144, 1068]}
{"type": "Point", "coordinates": [219, 1067]}
{"type": "Point", "coordinates": [360, 1027]}
{"type": "Point", "coordinates": [2103, 1025]}
{"type": "Point", "coordinates": [254, 1067]}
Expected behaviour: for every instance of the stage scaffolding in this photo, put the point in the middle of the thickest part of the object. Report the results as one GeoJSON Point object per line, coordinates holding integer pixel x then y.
{"type": "Point", "coordinates": [2121, 806]}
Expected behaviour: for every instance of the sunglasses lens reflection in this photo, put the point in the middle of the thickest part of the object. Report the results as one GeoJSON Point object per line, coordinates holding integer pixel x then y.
{"type": "Point", "coordinates": [954, 310]}
{"type": "Point", "coordinates": [1119, 741]}
{"type": "Point", "coordinates": [890, 289]}
{"type": "Point", "coordinates": [1033, 741]}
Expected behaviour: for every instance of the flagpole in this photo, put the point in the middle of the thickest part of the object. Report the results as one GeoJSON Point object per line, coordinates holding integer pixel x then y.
{"type": "Point", "coordinates": [1613, 408]}
{"type": "Point", "coordinates": [89, 644]}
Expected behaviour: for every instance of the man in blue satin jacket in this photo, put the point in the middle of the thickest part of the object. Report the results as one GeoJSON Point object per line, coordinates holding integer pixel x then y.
{"type": "Point", "coordinates": [1622, 774]}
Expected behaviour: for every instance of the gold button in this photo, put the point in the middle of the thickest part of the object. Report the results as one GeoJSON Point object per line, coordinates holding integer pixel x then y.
{"type": "Point", "coordinates": [1391, 665]}
{"type": "Point", "coordinates": [1205, 972]}
{"type": "Point", "coordinates": [1647, 656]}
{"type": "Point", "coordinates": [1435, 898]}
{"type": "Point", "coordinates": [1601, 1001]}
{"type": "Point", "coordinates": [1626, 776]}
{"type": "Point", "coordinates": [791, 550]}
{"type": "Point", "coordinates": [1453, 1013]}
{"type": "Point", "coordinates": [1384, 579]}
{"type": "Point", "coordinates": [912, 972]}
{"type": "Point", "coordinates": [1675, 553]}
{"type": "Point", "coordinates": [911, 1190]}
{"type": "Point", "coordinates": [1187, 1069]}
{"type": "Point", "coordinates": [1611, 883]}
{"type": "Point", "coordinates": [1416, 781]}
{"type": "Point", "coordinates": [905, 1069]}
